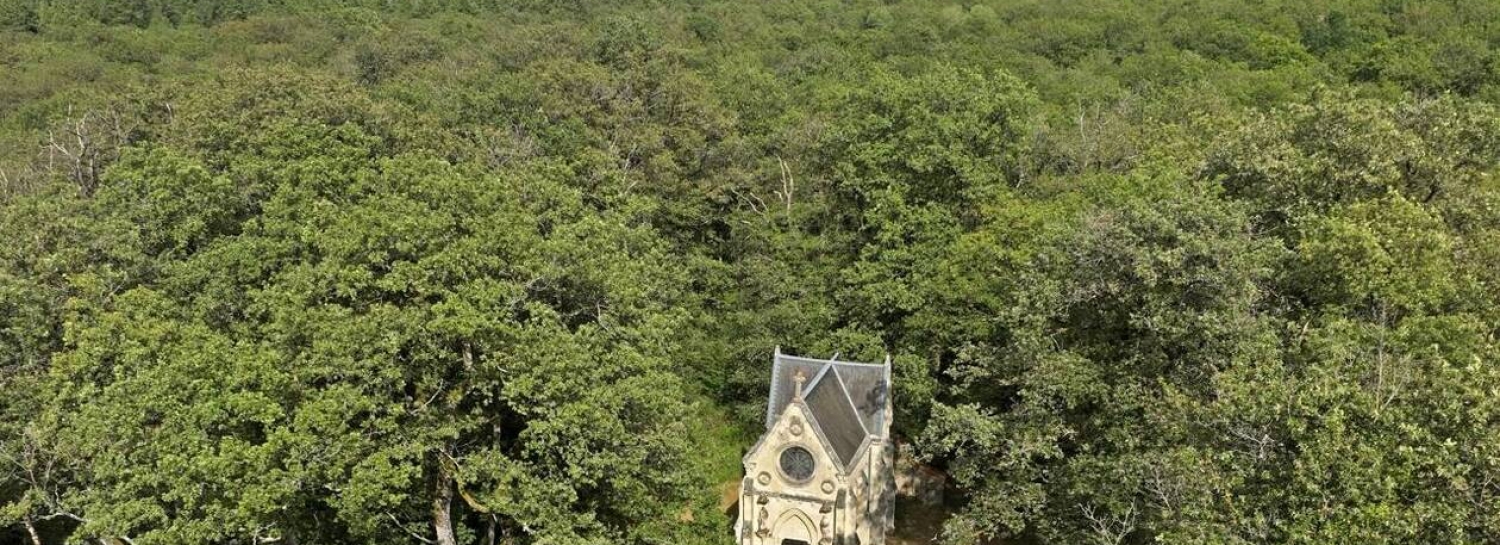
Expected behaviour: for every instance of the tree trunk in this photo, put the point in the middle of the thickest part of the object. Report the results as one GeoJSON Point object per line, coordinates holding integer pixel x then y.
{"type": "Point", "coordinates": [489, 531]}
{"type": "Point", "coordinates": [442, 506]}
{"type": "Point", "coordinates": [36, 539]}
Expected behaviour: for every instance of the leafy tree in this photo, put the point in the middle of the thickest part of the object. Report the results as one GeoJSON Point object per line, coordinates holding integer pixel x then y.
{"type": "Point", "coordinates": [508, 272]}
{"type": "Point", "coordinates": [1050, 424]}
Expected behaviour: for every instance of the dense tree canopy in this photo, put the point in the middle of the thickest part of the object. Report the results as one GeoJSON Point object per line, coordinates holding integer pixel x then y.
{"type": "Point", "coordinates": [510, 271]}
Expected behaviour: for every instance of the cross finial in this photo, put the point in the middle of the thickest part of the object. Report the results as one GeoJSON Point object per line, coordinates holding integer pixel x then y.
{"type": "Point", "coordinates": [799, 379]}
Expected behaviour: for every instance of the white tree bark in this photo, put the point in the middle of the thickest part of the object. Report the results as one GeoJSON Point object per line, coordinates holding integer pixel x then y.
{"type": "Point", "coordinates": [442, 507]}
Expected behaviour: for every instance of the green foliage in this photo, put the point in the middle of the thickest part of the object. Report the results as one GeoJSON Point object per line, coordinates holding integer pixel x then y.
{"type": "Point", "coordinates": [469, 271]}
{"type": "Point", "coordinates": [1134, 300]}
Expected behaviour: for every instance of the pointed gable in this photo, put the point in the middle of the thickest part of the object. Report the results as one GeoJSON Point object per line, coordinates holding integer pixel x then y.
{"type": "Point", "coordinates": [847, 401]}
{"type": "Point", "coordinates": [811, 436]}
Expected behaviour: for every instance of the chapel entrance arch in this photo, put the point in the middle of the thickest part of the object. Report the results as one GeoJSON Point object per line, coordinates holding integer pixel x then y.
{"type": "Point", "coordinates": [794, 528]}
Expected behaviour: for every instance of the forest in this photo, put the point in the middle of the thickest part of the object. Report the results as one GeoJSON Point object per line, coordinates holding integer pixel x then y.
{"type": "Point", "coordinates": [512, 271]}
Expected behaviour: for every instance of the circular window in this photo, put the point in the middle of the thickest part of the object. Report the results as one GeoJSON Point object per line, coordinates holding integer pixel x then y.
{"type": "Point", "coordinates": [797, 463]}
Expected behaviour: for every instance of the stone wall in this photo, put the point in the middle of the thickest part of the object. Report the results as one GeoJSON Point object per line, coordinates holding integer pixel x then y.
{"type": "Point", "coordinates": [917, 482]}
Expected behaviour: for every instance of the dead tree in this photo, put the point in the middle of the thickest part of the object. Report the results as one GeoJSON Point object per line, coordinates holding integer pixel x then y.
{"type": "Point", "coordinates": [80, 147]}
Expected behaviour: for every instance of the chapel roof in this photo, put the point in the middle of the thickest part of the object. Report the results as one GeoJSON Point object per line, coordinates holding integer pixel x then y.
{"type": "Point", "coordinates": [846, 399]}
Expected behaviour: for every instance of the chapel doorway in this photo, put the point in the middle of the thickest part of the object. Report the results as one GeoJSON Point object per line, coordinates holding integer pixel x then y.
{"type": "Point", "coordinates": [794, 528]}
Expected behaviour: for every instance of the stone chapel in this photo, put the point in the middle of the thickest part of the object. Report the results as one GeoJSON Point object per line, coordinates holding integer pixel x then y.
{"type": "Point", "coordinates": [822, 474]}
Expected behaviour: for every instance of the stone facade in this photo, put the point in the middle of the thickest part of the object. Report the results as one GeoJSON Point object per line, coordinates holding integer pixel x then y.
{"type": "Point", "coordinates": [823, 472]}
